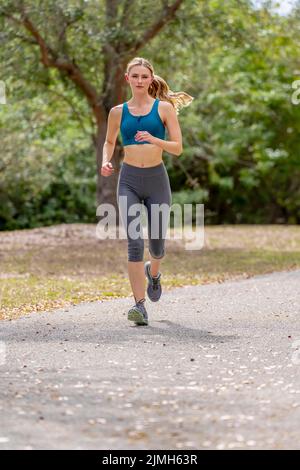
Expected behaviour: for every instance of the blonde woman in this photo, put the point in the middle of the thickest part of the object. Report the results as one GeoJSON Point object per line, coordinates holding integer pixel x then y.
{"type": "Point", "coordinates": [143, 178]}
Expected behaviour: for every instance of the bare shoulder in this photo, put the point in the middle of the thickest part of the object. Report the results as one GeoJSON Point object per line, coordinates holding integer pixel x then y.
{"type": "Point", "coordinates": [115, 113]}
{"type": "Point", "coordinates": [116, 110]}
{"type": "Point", "coordinates": [165, 105]}
{"type": "Point", "coordinates": [166, 110]}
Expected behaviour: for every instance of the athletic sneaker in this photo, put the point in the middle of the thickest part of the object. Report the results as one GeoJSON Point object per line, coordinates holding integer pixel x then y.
{"type": "Point", "coordinates": [154, 286]}
{"type": "Point", "coordinates": [138, 313]}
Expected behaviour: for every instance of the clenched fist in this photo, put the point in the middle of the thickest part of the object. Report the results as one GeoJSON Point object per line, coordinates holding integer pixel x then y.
{"type": "Point", "coordinates": [107, 169]}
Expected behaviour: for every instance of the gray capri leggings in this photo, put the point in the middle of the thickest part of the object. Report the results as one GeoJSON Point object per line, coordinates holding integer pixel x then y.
{"type": "Point", "coordinates": [150, 187]}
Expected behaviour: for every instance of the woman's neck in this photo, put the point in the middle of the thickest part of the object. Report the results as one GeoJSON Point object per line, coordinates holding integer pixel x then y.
{"type": "Point", "coordinates": [140, 101]}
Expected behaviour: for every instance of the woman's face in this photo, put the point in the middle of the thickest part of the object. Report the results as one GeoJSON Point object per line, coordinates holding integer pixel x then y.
{"type": "Point", "coordinates": [139, 79]}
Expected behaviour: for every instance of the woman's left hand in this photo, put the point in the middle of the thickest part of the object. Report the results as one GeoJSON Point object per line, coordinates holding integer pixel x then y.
{"type": "Point", "coordinates": [141, 136]}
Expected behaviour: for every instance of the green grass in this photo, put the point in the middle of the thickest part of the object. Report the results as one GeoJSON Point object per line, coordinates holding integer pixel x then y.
{"type": "Point", "coordinates": [53, 267]}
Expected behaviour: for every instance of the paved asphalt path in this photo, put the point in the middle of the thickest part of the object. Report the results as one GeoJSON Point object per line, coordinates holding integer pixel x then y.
{"type": "Point", "coordinates": [217, 368]}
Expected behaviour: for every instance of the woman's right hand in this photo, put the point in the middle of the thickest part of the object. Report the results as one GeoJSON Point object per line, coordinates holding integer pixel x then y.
{"type": "Point", "coordinates": [107, 169]}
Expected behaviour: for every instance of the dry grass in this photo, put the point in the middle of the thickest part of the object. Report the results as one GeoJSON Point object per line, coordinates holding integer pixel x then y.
{"type": "Point", "coordinates": [51, 267]}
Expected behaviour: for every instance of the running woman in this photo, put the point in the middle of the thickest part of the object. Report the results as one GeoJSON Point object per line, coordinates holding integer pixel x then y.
{"type": "Point", "coordinates": [143, 178]}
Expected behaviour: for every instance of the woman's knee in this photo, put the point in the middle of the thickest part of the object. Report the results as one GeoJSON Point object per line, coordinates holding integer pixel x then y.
{"type": "Point", "coordinates": [157, 248]}
{"type": "Point", "coordinates": [136, 250]}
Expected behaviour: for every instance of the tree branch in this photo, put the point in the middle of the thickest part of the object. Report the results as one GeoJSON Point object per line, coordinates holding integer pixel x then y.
{"type": "Point", "coordinates": [167, 14]}
{"type": "Point", "coordinates": [126, 14]}
{"type": "Point", "coordinates": [50, 58]}
{"type": "Point", "coordinates": [70, 103]}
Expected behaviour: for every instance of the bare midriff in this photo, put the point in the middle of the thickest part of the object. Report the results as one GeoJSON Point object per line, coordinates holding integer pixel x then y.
{"type": "Point", "coordinates": [143, 155]}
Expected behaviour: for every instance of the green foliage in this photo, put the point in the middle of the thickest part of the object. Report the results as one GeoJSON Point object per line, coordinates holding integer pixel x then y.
{"type": "Point", "coordinates": [190, 196]}
{"type": "Point", "coordinates": [240, 134]}
{"type": "Point", "coordinates": [47, 165]}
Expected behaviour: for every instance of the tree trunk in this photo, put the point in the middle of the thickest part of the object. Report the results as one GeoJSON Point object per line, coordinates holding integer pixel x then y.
{"type": "Point", "coordinates": [114, 93]}
{"type": "Point", "coordinates": [116, 53]}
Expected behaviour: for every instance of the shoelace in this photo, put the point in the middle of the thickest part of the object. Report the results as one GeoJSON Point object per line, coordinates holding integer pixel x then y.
{"type": "Point", "coordinates": [155, 282]}
{"type": "Point", "coordinates": [141, 303]}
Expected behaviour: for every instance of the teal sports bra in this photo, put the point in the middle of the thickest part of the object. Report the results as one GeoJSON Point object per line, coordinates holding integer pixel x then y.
{"type": "Point", "coordinates": [150, 122]}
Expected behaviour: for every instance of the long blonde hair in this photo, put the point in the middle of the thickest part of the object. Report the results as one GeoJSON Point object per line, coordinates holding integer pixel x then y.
{"type": "Point", "coordinates": [159, 87]}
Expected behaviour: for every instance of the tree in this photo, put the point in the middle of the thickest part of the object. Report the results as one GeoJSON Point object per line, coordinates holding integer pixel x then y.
{"type": "Point", "coordinates": [63, 36]}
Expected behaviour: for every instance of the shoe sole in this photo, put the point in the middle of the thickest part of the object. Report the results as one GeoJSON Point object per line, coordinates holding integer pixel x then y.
{"type": "Point", "coordinates": [149, 281]}
{"type": "Point", "coordinates": [145, 269]}
{"type": "Point", "coordinates": [136, 316]}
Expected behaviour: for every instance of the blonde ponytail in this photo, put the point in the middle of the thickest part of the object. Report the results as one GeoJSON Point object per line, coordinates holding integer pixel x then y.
{"type": "Point", "coordinates": [160, 89]}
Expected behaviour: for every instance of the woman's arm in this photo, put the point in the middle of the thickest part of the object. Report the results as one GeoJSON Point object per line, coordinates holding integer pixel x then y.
{"type": "Point", "coordinates": [110, 141]}
{"type": "Point", "coordinates": [174, 145]}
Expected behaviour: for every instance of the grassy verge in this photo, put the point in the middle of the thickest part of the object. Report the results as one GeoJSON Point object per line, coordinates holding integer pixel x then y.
{"type": "Point", "coordinates": [53, 267]}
